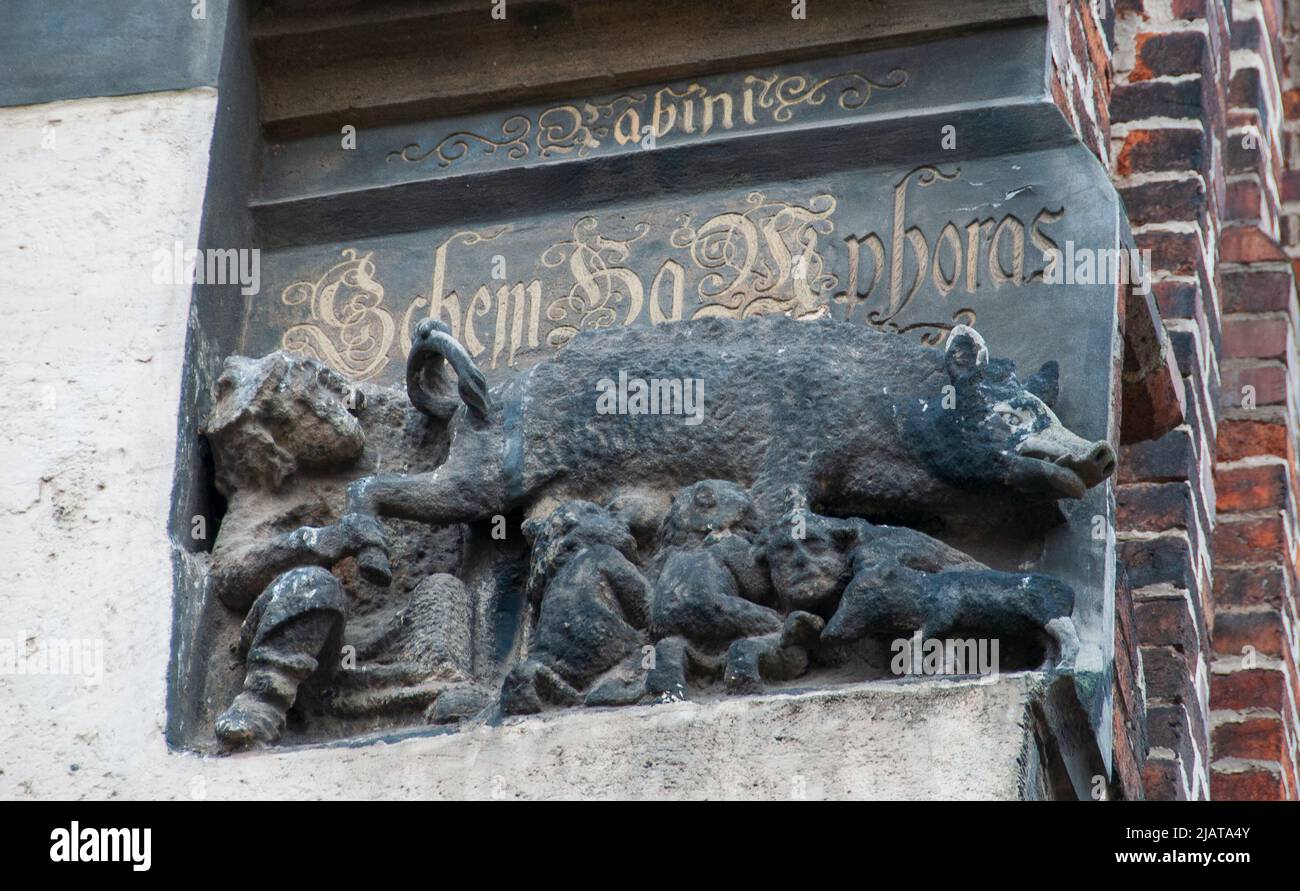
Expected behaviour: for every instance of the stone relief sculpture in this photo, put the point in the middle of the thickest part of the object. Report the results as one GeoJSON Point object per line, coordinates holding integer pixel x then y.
{"type": "Point", "coordinates": [272, 418]}
{"type": "Point", "coordinates": [285, 442]}
{"type": "Point", "coordinates": [901, 581]}
{"type": "Point", "coordinates": [592, 610]}
{"type": "Point", "coordinates": [633, 556]}
{"type": "Point", "coordinates": [792, 403]}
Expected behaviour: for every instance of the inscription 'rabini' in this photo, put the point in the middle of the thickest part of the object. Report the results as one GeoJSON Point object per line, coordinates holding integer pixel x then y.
{"type": "Point", "coordinates": [688, 110]}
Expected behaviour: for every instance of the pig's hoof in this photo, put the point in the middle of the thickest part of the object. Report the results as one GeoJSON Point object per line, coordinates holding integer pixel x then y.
{"type": "Point", "coordinates": [249, 721]}
{"type": "Point", "coordinates": [519, 694]}
{"type": "Point", "coordinates": [1066, 637]}
{"type": "Point", "coordinates": [531, 686]}
{"type": "Point", "coordinates": [618, 689]}
{"type": "Point", "coordinates": [667, 680]}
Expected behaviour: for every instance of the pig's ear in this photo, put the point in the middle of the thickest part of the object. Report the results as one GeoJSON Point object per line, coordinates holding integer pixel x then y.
{"type": "Point", "coordinates": [967, 352]}
{"type": "Point", "coordinates": [532, 528]}
{"type": "Point", "coordinates": [1045, 383]}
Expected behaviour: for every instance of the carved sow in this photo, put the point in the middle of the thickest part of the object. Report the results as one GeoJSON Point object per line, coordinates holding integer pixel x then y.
{"type": "Point", "coordinates": [859, 420]}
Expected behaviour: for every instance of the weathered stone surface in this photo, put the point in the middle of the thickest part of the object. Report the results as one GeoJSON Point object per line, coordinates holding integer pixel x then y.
{"type": "Point", "coordinates": [284, 436]}
{"type": "Point", "coordinates": [441, 612]}
{"type": "Point", "coordinates": [318, 652]}
{"type": "Point", "coordinates": [275, 414]}
{"type": "Point", "coordinates": [730, 590]}
{"type": "Point", "coordinates": [776, 412]}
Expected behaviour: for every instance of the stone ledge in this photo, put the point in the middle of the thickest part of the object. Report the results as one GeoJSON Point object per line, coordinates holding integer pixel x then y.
{"type": "Point", "coordinates": [1001, 738]}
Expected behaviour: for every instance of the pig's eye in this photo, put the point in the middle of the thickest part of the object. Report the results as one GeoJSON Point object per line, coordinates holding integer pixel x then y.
{"type": "Point", "coordinates": [1014, 418]}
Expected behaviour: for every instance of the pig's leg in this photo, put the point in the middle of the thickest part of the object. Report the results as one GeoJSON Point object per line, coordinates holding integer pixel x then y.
{"type": "Point", "coordinates": [860, 607]}
{"type": "Point", "coordinates": [451, 493]}
{"type": "Point", "coordinates": [531, 685]}
{"type": "Point", "coordinates": [1066, 636]}
{"type": "Point", "coordinates": [744, 664]}
{"type": "Point", "coordinates": [667, 679]}
{"type": "Point", "coordinates": [674, 661]}
{"type": "Point", "coordinates": [458, 491]}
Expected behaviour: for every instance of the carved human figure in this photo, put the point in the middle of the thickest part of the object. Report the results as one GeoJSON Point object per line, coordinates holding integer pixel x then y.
{"type": "Point", "coordinates": [712, 604]}
{"type": "Point", "coordinates": [278, 421]}
{"type": "Point", "coordinates": [592, 607]}
{"type": "Point", "coordinates": [711, 584]}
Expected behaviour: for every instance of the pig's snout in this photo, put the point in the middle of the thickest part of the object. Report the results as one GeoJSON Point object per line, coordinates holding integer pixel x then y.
{"type": "Point", "coordinates": [1087, 463]}
{"type": "Point", "coordinates": [1092, 466]}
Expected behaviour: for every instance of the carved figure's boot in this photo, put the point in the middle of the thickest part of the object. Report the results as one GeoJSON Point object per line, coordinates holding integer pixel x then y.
{"type": "Point", "coordinates": [258, 714]}
{"type": "Point", "coordinates": [293, 631]}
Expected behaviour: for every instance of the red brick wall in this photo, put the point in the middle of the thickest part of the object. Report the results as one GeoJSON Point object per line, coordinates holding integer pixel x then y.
{"type": "Point", "coordinates": [1190, 104]}
{"type": "Point", "coordinates": [1253, 688]}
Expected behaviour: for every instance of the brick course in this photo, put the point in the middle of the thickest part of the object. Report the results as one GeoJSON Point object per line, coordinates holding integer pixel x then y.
{"type": "Point", "coordinates": [1192, 106]}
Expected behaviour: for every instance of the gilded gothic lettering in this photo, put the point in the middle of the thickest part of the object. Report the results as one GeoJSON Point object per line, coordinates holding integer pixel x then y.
{"type": "Point", "coordinates": [693, 109]}
{"type": "Point", "coordinates": [768, 255]}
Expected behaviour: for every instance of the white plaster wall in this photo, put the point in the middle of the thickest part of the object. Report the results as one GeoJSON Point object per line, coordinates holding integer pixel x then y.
{"type": "Point", "coordinates": [90, 371]}
{"type": "Point", "coordinates": [91, 352]}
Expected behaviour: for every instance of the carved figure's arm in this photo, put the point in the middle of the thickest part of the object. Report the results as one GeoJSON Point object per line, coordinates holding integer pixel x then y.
{"type": "Point", "coordinates": [850, 620]}
{"type": "Point", "coordinates": [632, 590]}
{"type": "Point", "coordinates": [748, 564]}
{"type": "Point", "coordinates": [239, 576]}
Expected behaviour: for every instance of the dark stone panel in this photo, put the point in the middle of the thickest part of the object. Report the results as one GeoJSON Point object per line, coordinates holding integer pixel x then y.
{"type": "Point", "coordinates": [369, 64]}
{"type": "Point", "coordinates": [70, 49]}
{"type": "Point", "coordinates": [636, 237]}
{"type": "Point", "coordinates": [316, 190]}
{"type": "Point", "coordinates": [626, 245]}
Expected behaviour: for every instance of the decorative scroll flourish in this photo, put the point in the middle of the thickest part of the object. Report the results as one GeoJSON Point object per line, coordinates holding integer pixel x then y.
{"type": "Point", "coordinates": [349, 329]}
{"type": "Point", "coordinates": [558, 130]}
{"type": "Point", "coordinates": [761, 260]}
{"type": "Point", "coordinates": [783, 94]}
{"type": "Point", "coordinates": [933, 333]}
{"type": "Point", "coordinates": [454, 146]}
